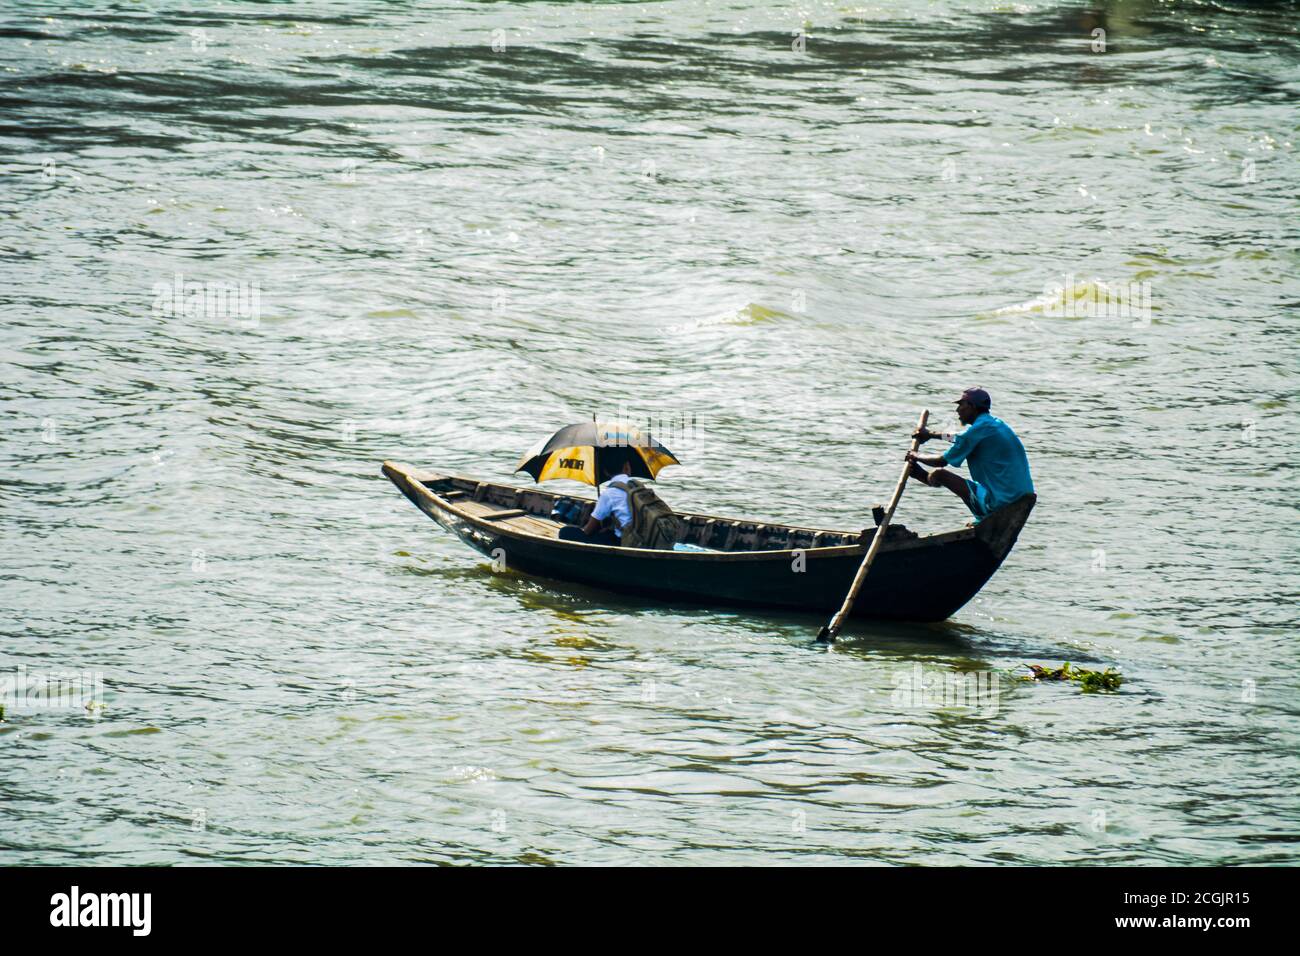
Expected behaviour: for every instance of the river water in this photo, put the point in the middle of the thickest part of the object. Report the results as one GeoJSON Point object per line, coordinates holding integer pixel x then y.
{"type": "Point", "coordinates": [435, 232]}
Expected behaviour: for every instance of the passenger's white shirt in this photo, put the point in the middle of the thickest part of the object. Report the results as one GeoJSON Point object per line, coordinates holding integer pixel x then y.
{"type": "Point", "coordinates": [614, 500]}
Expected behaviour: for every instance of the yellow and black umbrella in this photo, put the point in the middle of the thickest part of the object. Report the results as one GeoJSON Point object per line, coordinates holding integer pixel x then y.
{"type": "Point", "coordinates": [583, 451]}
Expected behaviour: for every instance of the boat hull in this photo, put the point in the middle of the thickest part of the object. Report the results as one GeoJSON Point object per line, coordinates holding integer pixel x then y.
{"type": "Point", "coordinates": [917, 579]}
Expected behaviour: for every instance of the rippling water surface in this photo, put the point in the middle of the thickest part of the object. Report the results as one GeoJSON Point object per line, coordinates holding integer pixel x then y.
{"type": "Point", "coordinates": [466, 224]}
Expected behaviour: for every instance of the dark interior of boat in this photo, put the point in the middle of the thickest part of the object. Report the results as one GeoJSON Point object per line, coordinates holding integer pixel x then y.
{"type": "Point", "coordinates": [530, 510]}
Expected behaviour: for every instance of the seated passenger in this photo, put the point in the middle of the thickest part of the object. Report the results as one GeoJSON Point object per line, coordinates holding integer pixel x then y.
{"type": "Point", "coordinates": [612, 504]}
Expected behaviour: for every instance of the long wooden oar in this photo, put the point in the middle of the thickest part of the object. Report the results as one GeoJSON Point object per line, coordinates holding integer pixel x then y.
{"type": "Point", "coordinates": [828, 633]}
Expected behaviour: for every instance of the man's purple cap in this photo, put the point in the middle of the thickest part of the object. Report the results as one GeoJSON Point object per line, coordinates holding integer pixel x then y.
{"type": "Point", "coordinates": [976, 396]}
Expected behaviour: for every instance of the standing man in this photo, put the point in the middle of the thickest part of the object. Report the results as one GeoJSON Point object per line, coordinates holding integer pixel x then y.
{"type": "Point", "coordinates": [999, 467]}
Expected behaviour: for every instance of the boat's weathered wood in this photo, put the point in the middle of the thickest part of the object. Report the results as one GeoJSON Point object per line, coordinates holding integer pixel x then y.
{"type": "Point", "coordinates": [915, 577]}
{"type": "Point", "coordinates": [544, 529]}
{"type": "Point", "coordinates": [498, 515]}
{"type": "Point", "coordinates": [733, 530]}
{"type": "Point", "coordinates": [733, 533]}
{"type": "Point", "coordinates": [727, 533]}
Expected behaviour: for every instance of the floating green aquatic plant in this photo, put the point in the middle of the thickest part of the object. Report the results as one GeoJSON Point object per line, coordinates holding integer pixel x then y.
{"type": "Point", "coordinates": [1089, 681]}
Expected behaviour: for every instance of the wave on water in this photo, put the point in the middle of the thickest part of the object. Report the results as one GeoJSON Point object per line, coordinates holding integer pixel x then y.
{"type": "Point", "coordinates": [1084, 299]}
{"type": "Point", "coordinates": [748, 315]}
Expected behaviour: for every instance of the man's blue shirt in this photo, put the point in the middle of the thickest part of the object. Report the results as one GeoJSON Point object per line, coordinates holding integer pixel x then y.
{"type": "Point", "coordinates": [615, 500]}
{"type": "Point", "coordinates": [996, 459]}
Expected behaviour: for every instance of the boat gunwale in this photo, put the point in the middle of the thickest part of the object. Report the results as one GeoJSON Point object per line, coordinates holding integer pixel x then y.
{"type": "Point", "coordinates": [830, 551]}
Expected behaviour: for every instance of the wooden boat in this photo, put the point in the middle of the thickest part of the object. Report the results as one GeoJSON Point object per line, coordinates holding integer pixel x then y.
{"type": "Point", "coordinates": [915, 577]}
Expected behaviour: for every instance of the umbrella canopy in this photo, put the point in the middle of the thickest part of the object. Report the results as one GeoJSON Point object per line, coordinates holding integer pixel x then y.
{"type": "Point", "coordinates": [582, 451]}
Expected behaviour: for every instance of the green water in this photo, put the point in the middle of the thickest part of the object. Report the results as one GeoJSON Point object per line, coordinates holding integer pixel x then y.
{"type": "Point", "coordinates": [460, 239]}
